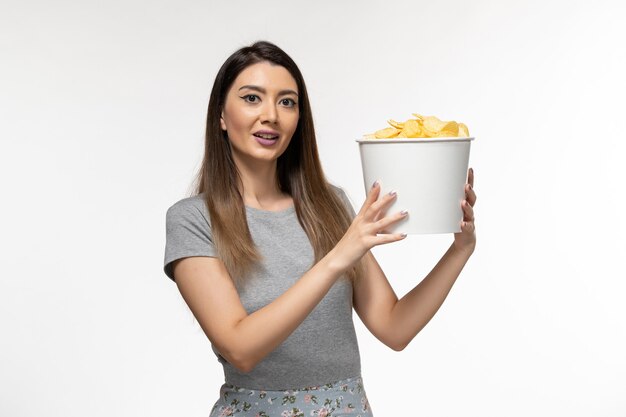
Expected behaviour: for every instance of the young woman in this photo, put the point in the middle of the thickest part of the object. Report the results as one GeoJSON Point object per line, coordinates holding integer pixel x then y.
{"type": "Point", "coordinates": [271, 258]}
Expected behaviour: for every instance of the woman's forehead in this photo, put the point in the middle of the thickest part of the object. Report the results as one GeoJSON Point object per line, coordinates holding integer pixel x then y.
{"type": "Point", "coordinates": [268, 76]}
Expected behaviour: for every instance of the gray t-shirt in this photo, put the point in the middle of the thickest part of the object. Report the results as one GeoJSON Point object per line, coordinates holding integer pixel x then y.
{"type": "Point", "coordinates": [324, 347]}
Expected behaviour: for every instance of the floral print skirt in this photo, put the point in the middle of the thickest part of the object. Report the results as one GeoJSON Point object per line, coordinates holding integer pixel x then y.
{"type": "Point", "coordinates": [345, 397]}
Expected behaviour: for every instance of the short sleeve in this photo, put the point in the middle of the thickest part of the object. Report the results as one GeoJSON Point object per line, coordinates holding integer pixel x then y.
{"type": "Point", "coordinates": [346, 201]}
{"type": "Point", "coordinates": [187, 233]}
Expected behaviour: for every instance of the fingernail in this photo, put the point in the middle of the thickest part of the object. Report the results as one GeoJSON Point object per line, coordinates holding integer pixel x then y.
{"type": "Point", "coordinates": [375, 184]}
{"type": "Point", "coordinates": [471, 187]}
{"type": "Point", "coordinates": [393, 192]}
{"type": "Point", "coordinates": [404, 212]}
{"type": "Point", "coordinates": [403, 234]}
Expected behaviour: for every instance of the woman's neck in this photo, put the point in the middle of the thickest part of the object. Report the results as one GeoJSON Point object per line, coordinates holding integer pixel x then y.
{"type": "Point", "coordinates": [260, 186]}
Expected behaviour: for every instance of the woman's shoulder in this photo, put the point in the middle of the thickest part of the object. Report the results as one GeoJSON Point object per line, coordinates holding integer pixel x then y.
{"type": "Point", "coordinates": [341, 193]}
{"type": "Point", "coordinates": [194, 200]}
{"type": "Point", "coordinates": [186, 201]}
{"type": "Point", "coordinates": [337, 189]}
{"type": "Point", "coordinates": [194, 206]}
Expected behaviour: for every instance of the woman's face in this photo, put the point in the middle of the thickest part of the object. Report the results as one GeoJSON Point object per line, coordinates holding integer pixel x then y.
{"type": "Point", "coordinates": [262, 101]}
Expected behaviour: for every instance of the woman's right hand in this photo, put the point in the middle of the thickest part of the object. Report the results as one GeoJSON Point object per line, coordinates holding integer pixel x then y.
{"type": "Point", "coordinates": [361, 236]}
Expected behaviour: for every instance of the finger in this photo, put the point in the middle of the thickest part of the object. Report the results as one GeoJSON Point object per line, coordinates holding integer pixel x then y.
{"type": "Point", "coordinates": [467, 226]}
{"type": "Point", "coordinates": [381, 225]}
{"type": "Point", "coordinates": [468, 211]}
{"type": "Point", "coordinates": [470, 177]}
{"type": "Point", "coordinates": [378, 209]}
{"type": "Point", "coordinates": [470, 194]}
{"type": "Point", "coordinates": [383, 239]}
{"type": "Point", "coordinates": [371, 197]}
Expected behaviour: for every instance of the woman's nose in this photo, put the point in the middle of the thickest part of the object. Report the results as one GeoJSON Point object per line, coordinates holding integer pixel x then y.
{"type": "Point", "coordinates": [269, 114]}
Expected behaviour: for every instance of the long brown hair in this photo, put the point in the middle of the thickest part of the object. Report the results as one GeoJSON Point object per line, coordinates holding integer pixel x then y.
{"type": "Point", "coordinates": [320, 211]}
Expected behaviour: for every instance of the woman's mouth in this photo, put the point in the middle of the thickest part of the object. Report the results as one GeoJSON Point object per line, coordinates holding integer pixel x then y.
{"type": "Point", "coordinates": [265, 136]}
{"type": "Point", "coordinates": [266, 140]}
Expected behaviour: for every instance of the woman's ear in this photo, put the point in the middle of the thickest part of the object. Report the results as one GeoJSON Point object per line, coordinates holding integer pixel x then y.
{"type": "Point", "coordinates": [222, 123]}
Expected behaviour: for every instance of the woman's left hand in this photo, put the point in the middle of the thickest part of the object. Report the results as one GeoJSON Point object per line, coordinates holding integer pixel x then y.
{"type": "Point", "coordinates": [466, 239]}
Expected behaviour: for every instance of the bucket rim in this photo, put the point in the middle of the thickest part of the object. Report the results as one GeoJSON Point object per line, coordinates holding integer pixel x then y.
{"type": "Point", "coordinates": [414, 140]}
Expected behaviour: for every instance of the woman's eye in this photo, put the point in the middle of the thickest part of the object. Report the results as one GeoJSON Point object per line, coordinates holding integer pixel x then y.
{"type": "Point", "coordinates": [253, 96]}
{"type": "Point", "coordinates": [288, 102]}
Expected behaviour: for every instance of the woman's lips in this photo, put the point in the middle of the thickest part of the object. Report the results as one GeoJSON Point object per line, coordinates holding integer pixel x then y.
{"type": "Point", "coordinates": [266, 133]}
{"type": "Point", "coordinates": [265, 142]}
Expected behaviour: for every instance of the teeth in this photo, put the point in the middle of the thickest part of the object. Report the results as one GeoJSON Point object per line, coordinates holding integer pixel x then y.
{"type": "Point", "coordinates": [264, 136]}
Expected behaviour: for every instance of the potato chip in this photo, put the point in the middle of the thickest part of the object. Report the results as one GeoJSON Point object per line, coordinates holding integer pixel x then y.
{"type": "Point", "coordinates": [389, 132]}
{"type": "Point", "coordinates": [395, 124]}
{"type": "Point", "coordinates": [452, 128]}
{"type": "Point", "coordinates": [412, 128]}
{"type": "Point", "coordinates": [444, 134]}
{"type": "Point", "coordinates": [433, 124]}
{"type": "Point", "coordinates": [421, 127]}
{"type": "Point", "coordinates": [463, 131]}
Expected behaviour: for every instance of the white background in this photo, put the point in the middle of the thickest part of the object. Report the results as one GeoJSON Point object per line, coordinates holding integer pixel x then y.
{"type": "Point", "coordinates": [102, 108]}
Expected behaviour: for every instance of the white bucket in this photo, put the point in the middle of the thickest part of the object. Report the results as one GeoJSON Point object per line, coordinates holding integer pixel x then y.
{"type": "Point", "coordinates": [429, 175]}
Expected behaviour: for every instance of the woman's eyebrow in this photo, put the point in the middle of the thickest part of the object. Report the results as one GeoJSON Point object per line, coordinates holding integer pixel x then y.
{"type": "Point", "coordinates": [262, 90]}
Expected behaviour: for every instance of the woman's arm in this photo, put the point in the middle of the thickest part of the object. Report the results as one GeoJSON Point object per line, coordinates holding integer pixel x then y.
{"type": "Point", "coordinates": [396, 322]}
{"type": "Point", "coordinates": [242, 339]}
{"type": "Point", "coordinates": [245, 339]}
{"type": "Point", "coordinates": [413, 311]}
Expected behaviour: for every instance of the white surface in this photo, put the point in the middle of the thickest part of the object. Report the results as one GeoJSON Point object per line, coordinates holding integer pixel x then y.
{"type": "Point", "coordinates": [102, 108]}
{"type": "Point", "coordinates": [429, 176]}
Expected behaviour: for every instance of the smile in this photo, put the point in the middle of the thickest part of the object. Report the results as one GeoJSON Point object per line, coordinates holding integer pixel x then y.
{"type": "Point", "coordinates": [265, 136]}
{"type": "Point", "coordinates": [266, 142]}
